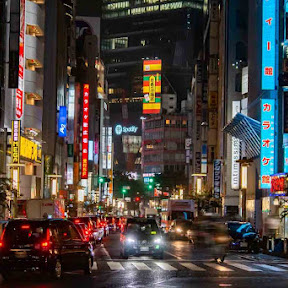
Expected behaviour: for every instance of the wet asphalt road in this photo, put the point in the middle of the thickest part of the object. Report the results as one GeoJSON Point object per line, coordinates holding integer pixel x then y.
{"type": "Point", "coordinates": [181, 267]}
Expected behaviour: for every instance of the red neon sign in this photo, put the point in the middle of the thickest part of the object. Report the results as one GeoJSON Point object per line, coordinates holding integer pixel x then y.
{"type": "Point", "coordinates": [85, 132]}
{"type": "Point", "coordinates": [20, 89]}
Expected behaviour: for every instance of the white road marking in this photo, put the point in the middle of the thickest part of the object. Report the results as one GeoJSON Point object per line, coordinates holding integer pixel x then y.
{"type": "Point", "coordinates": [192, 266]}
{"type": "Point", "coordinates": [243, 267]}
{"type": "Point", "coordinates": [272, 268]}
{"type": "Point", "coordinates": [95, 266]}
{"type": "Point", "coordinates": [173, 255]}
{"type": "Point", "coordinates": [165, 266]}
{"type": "Point", "coordinates": [106, 252]}
{"type": "Point", "coordinates": [284, 265]}
{"type": "Point", "coordinates": [115, 266]}
{"type": "Point", "coordinates": [140, 266]}
{"type": "Point", "coordinates": [219, 267]}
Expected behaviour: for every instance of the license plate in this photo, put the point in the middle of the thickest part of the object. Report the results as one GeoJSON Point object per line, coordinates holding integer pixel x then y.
{"type": "Point", "coordinates": [144, 249]}
{"type": "Point", "coordinates": [243, 244]}
{"type": "Point", "coordinates": [21, 254]}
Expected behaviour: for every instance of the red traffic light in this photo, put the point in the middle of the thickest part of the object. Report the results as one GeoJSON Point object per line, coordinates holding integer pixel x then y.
{"type": "Point", "coordinates": [137, 199]}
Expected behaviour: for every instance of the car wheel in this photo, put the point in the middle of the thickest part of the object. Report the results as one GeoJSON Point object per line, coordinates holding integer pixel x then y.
{"type": "Point", "coordinates": [57, 272]}
{"type": "Point", "coordinates": [88, 268]}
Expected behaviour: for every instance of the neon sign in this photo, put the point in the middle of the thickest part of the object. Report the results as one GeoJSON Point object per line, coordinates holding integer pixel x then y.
{"type": "Point", "coordinates": [269, 45]}
{"type": "Point", "coordinates": [85, 132]}
{"type": "Point", "coordinates": [119, 129]}
{"type": "Point", "coordinates": [62, 122]}
{"type": "Point", "coordinates": [267, 141]}
{"type": "Point", "coordinates": [20, 89]}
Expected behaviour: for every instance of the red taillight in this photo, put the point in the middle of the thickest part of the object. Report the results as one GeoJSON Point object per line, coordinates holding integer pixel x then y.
{"type": "Point", "coordinates": [77, 221]}
{"type": "Point", "coordinates": [86, 232]}
{"type": "Point", "coordinates": [1, 244]}
{"type": "Point", "coordinates": [25, 227]}
{"type": "Point", "coordinates": [44, 244]}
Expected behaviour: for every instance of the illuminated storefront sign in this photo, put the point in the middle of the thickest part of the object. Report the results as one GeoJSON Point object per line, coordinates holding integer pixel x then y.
{"type": "Point", "coordinates": [15, 147]}
{"type": "Point", "coordinates": [279, 184]}
{"type": "Point", "coordinates": [20, 89]}
{"type": "Point", "coordinates": [269, 44]}
{"type": "Point", "coordinates": [30, 150]}
{"type": "Point", "coordinates": [109, 148]}
{"type": "Point", "coordinates": [235, 183]}
{"type": "Point", "coordinates": [85, 132]}
{"type": "Point", "coordinates": [62, 122]}
{"type": "Point", "coordinates": [119, 129]}
{"type": "Point", "coordinates": [152, 86]}
{"type": "Point", "coordinates": [267, 141]}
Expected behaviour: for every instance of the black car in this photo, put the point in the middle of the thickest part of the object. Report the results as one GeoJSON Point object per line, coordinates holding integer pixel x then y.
{"type": "Point", "coordinates": [52, 245]}
{"type": "Point", "coordinates": [141, 236]}
{"type": "Point", "coordinates": [244, 236]}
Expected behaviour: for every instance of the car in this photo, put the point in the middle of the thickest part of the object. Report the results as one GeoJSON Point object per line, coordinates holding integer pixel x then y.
{"type": "Point", "coordinates": [98, 226]}
{"type": "Point", "coordinates": [93, 232]}
{"type": "Point", "coordinates": [46, 245]}
{"type": "Point", "coordinates": [111, 224]}
{"type": "Point", "coordinates": [179, 229]}
{"type": "Point", "coordinates": [141, 236]}
{"type": "Point", "coordinates": [244, 236]}
{"type": "Point", "coordinates": [105, 226]}
{"type": "Point", "coordinates": [118, 223]}
{"type": "Point", "coordinates": [83, 230]}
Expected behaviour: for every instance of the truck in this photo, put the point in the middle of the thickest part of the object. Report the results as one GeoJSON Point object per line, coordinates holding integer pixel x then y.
{"type": "Point", "coordinates": [150, 213]}
{"type": "Point", "coordinates": [174, 209]}
{"type": "Point", "coordinates": [45, 208]}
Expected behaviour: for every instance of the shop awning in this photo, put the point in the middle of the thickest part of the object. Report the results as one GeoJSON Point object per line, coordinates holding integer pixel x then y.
{"type": "Point", "coordinates": [248, 131]}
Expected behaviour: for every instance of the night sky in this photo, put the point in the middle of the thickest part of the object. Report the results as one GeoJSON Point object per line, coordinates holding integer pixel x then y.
{"type": "Point", "coordinates": [89, 7]}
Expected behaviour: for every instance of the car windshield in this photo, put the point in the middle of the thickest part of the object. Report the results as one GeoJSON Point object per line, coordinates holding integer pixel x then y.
{"type": "Point", "coordinates": [143, 227]}
{"type": "Point", "coordinates": [26, 232]}
{"type": "Point", "coordinates": [182, 215]}
{"type": "Point", "coordinates": [240, 228]}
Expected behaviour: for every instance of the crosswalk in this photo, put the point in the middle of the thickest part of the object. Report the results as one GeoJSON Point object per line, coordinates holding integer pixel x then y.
{"type": "Point", "coordinates": [196, 266]}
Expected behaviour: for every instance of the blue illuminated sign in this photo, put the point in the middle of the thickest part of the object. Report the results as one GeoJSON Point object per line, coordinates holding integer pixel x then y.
{"type": "Point", "coordinates": [285, 159]}
{"type": "Point", "coordinates": [267, 141]}
{"type": "Point", "coordinates": [62, 122]}
{"type": "Point", "coordinates": [269, 45]}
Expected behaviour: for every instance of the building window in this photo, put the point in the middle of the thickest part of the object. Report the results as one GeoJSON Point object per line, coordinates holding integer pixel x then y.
{"type": "Point", "coordinates": [184, 122]}
{"type": "Point", "coordinates": [167, 122]}
{"type": "Point", "coordinates": [173, 122]}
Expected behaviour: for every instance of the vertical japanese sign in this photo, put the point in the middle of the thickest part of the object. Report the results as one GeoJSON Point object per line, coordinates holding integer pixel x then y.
{"type": "Point", "coordinates": [85, 132]}
{"type": "Point", "coordinates": [62, 122]}
{"type": "Point", "coordinates": [152, 86]}
{"type": "Point", "coordinates": [269, 44]}
{"type": "Point", "coordinates": [109, 149]}
{"type": "Point", "coordinates": [267, 141]}
{"type": "Point", "coordinates": [235, 166]}
{"type": "Point", "coordinates": [20, 89]}
{"type": "Point", "coordinates": [15, 153]}
{"type": "Point", "coordinates": [217, 178]}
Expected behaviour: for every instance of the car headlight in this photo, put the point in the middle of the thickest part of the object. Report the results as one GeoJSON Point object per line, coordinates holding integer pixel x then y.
{"type": "Point", "coordinates": [158, 241]}
{"type": "Point", "coordinates": [130, 240]}
{"type": "Point", "coordinates": [179, 230]}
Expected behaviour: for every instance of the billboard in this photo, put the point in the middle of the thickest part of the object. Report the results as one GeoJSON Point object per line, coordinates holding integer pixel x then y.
{"type": "Point", "coordinates": [62, 122]}
{"type": "Point", "coordinates": [267, 142]}
{"type": "Point", "coordinates": [85, 132]}
{"type": "Point", "coordinates": [20, 89]}
{"type": "Point", "coordinates": [269, 44]}
{"type": "Point", "coordinates": [152, 86]}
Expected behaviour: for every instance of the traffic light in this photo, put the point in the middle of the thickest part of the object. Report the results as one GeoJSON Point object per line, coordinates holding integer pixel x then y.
{"type": "Point", "coordinates": [124, 190]}
{"type": "Point", "coordinates": [150, 186]}
{"type": "Point", "coordinates": [137, 199]}
{"type": "Point", "coordinates": [151, 180]}
{"type": "Point", "coordinates": [103, 179]}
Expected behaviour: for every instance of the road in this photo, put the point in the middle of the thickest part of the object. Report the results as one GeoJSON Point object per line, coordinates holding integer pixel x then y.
{"type": "Point", "coordinates": [181, 267]}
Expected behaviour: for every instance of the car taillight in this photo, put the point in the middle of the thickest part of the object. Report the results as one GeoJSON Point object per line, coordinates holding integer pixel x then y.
{"type": "Point", "coordinates": [1, 244]}
{"type": "Point", "coordinates": [44, 244]}
{"type": "Point", "coordinates": [86, 232]}
{"type": "Point", "coordinates": [77, 221]}
{"type": "Point", "coordinates": [24, 227]}
{"type": "Point", "coordinates": [1, 238]}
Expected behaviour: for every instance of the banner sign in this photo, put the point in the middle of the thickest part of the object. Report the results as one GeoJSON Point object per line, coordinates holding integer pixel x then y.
{"type": "Point", "coordinates": [268, 44]}
{"type": "Point", "coordinates": [217, 178]}
{"type": "Point", "coordinates": [267, 142]}
{"type": "Point", "coordinates": [85, 132]}
{"type": "Point", "coordinates": [62, 122]}
{"type": "Point", "coordinates": [152, 86]}
{"type": "Point", "coordinates": [15, 147]}
{"type": "Point", "coordinates": [20, 89]}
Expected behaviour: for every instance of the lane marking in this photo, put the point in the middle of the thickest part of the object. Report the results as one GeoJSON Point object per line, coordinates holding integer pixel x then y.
{"type": "Point", "coordinates": [173, 255]}
{"type": "Point", "coordinates": [165, 266]}
{"type": "Point", "coordinates": [95, 266]}
{"type": "Point", "coordinates": [272, 268]}
{"type": "Point", "coordinates": [140, 266]}
{"type": "Point", "coordinates": [106, 252]}
{"type": "Point", "coordinates": [219, 267]}
{"type": "Point", "coordinates": [284, 265]}
{"type": "Point", "coordinates": [192, 266]}
{"type": "Point", "coordinates": [115, 266]}
{"type": "Point", "coordinates": [243, 267]}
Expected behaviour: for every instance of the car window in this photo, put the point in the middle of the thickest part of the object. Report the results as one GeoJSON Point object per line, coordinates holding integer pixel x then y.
{"type": "Point", "coordinates": [54, 234]}
{"type": "Point", "coordinates": [74, 234]}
